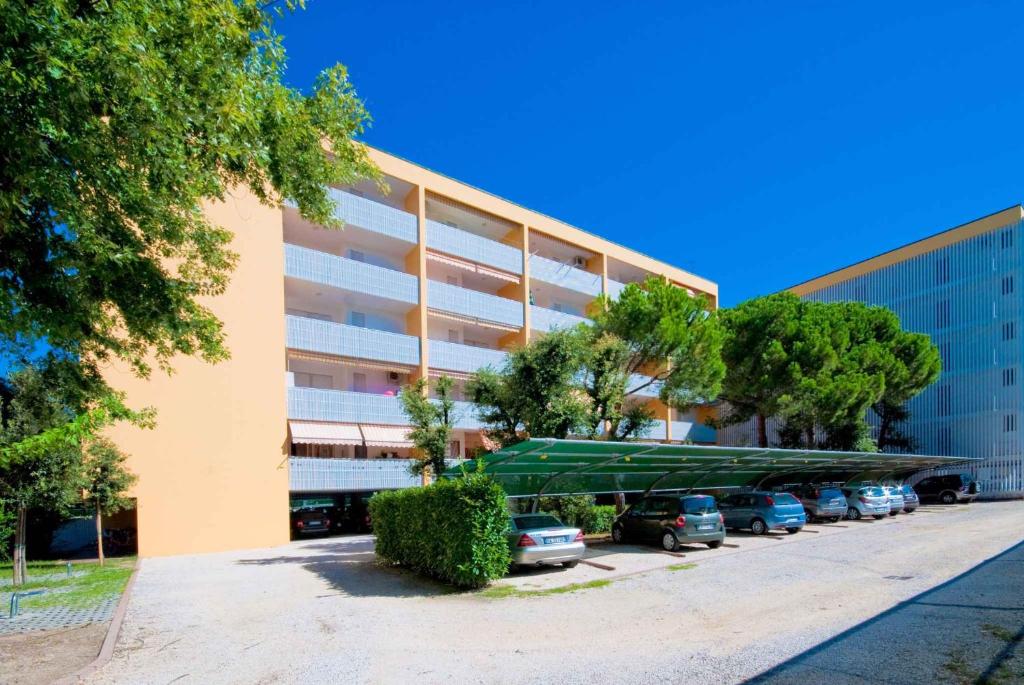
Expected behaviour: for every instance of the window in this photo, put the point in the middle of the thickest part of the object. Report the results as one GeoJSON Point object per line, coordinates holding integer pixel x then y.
{"type": "Point", "coordinates": [1009, 423]}
{"type": "Point", "coordinates": [452, 280]}
{"type": "Point", "coordinates": [359, 382]}
{"type": "Point", "coordinates": [1009, 377]}
{"type": "Point", "coordinates": [942, 271]}
{"type": "Point", "coordinates": [942, 314]}
{"type": "Point", "coordinates": [1007, 285]}
{"type": "Point", "coordinates": [944, 354]}
{"type": "Point", "coordinates": [356, 256]}
{"type": "Point", "coordinates": [453, 335]}
{"type": "Point", "coordinates": [357, 319]}
{"type": "Point", "coordinates": [313, 380]}
{"type": "Point", "coordinates": [1006, 239]}
{"type": "Point", "coordinates": [1009, 330]}
{"type": "Point", "coordinates": [455, 449]}
{"type": "Point", "coordinates": [942, 400]}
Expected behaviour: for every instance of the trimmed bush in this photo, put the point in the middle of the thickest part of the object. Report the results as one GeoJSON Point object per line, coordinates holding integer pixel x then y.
{"type": "Point", "coordinates": [599, 519]}
{"type": "Point", "coordinates": [453, 530]}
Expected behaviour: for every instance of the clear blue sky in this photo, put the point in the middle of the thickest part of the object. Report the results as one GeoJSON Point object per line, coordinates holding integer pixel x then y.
{"type": "Point", "coordinates": [754, 143]}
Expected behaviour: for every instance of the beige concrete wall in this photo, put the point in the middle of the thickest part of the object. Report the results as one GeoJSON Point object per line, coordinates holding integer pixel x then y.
{"type": "Point", "coordinates": [213, 475]}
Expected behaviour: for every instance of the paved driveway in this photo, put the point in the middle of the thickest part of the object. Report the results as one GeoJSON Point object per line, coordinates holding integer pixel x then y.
{"type": "Point", "coordinates": [321, 610]}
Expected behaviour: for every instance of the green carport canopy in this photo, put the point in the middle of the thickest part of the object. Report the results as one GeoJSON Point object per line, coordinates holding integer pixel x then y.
{"type": "Point", "coordinates": [547, 467]}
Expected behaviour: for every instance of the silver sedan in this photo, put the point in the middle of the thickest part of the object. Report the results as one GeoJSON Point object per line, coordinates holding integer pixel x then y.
{"type": "Point", "coordinates": [541, 539]}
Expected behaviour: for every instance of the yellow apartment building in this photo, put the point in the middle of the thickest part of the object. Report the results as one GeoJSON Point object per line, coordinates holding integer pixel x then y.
{"type": "Point", "coordinates": [324, 326]}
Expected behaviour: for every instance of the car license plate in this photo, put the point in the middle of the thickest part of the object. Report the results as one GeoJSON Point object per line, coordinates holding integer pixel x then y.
{"type": "Point", "coordinates": [793, 521]}
{"type": "Point", "coordinates": [314, 523]}
{"type": "Point", "coordinates": [706, 526]}
{"type": "Point", "coordinates": [555, 541]}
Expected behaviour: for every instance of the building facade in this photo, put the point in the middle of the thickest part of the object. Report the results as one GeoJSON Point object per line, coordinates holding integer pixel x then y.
{"type": "Point", "coordinates": [963, 287]}
{"type": "Point", "coordinates": [325, 326]}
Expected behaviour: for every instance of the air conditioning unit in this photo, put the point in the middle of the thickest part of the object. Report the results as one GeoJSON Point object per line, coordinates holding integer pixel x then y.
{"type": "Point", "coordinates": [579, 262]}
{"type": "Point", "coordinates": [393, 376]}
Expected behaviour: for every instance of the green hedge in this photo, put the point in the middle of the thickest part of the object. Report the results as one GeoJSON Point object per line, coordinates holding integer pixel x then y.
{"type": "Point", "coordinates": [581, 512]}
{"type": "Point", "coordinates": [453, 530]}
{"type": "Point", "coordinates": [599, 519]}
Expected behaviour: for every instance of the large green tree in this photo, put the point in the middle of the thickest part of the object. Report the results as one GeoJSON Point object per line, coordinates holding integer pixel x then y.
{"type": "Point", "coordinates": [121, 119]}
{"type": "Point", "coordinates": [915, 364]}
{"type": "Point", "coordinates": [432, 422]}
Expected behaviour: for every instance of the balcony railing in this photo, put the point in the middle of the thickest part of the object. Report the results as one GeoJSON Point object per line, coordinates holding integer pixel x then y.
{"type": "Point", "coordinates": [310, 474]}
{"type": "Point", "coordinates": [657, 431]}
{"type": "Point", "coordinates": [345, 406]}
{"type": "Point", "coordinates": [476, 248]}
{"type": "Point", "coordinates": [544, 319]}
{"type": "Point", "coordinates": [636, 380]}
{"type": "Point", "coordinates": [474, 304]}
{"type": "Point", "coordinates": [348, 274]}
{"type": "Point", "coordinates": [374, 216]}
{"type": "Point", "coordinates": [351, 341]}
{"type": "Point", "coordinates": [694, 432]}
{"type": "Point", "coordinates": [564, 275]}
{"type": "Point", "coordinates": [615, 288]}
{"type": "Point", "coordinates": [465, 358]}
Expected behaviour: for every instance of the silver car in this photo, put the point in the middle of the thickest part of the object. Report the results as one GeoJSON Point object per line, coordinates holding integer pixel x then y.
{"type": "Point", "coordinates": [895, 495]}
{"type": "Point", "coordinates": [867, 500]}
{"type": "Point", "coordinates": [542, 540]}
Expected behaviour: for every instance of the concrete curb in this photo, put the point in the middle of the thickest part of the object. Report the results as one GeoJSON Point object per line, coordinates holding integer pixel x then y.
{"type": "Point", "coordinates": [110, 640]}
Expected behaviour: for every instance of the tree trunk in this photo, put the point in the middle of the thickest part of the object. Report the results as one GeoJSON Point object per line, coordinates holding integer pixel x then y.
{"type": "Point", "coordinates": [20, 565]}
{"type": "Point", "coordinates": [762, 431]}
{"type": "Point", "coordinates": [809, 433]}
{"type": "Point", "coordinates": [99, 534]}
{"type": "Point", "coordinates": [620, 502]}
{"type": "Point", "coordinates": [883, 430]}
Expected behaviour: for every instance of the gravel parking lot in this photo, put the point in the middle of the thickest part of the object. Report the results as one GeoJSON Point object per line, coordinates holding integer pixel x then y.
{"type": "Point", "coordinates": [780, 606]}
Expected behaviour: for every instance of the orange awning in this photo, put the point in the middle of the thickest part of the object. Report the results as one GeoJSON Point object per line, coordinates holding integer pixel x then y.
{"type": "Point", "coordinates": [385, 436]}
{"type": "Point", "coordinates": [325, 433]}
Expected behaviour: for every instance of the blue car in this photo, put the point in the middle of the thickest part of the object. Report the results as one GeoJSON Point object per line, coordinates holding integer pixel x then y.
{"type": "Point", "coordinates": [763, 511]}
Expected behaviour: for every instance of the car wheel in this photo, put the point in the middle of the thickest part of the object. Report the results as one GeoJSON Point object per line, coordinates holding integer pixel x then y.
{"type": "Point", "coordinates": [893, 513]}
{"type": "Point", "coordinates": [618, 535]}
{"type": "Point", "coordinates": [853, 513]}
{"type": "Point", "coordinates": [570, 564]}
{"type": "Point", "coordinates": [758, 527]}
{"type": "Point", "coordinates": [669, 542]}
{"type": "Point", "coordinates": [715, 544]}
{"type": "Point", "coordinates": [835, 519]}
{"type": "Point", "coordinates": [792, 531]}
{"type": "Point", "coordinates": [948, 498]}
{"type": "Point", "coordinates": [879, 517]}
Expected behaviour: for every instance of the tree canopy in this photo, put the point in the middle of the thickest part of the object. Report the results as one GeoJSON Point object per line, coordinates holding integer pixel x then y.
{"type": "Point", "coordinates": [432, 422]}
{"type": "Point", "coordinates": [121, 120]}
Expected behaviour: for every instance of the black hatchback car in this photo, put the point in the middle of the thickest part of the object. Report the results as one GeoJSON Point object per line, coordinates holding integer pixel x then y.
{"type": "Point", "coordinates": [950, 489]}
{"type": "Point", "coordinates": [671, 520]}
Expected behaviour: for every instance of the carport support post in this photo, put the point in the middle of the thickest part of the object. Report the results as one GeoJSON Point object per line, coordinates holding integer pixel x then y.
{"type": "Point", "coordinates": [620, 502]}
{"type": "Point", "coordinates": [535, 504]}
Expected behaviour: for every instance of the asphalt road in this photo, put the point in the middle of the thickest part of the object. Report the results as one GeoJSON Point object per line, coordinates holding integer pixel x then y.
{"type": "Point", "coordinates": [931, 597]}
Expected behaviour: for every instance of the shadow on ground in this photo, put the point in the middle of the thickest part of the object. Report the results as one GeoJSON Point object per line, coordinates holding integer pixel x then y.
{"type": "Point", "coordinates": [349, 565]}
{"type": "Point", "coordinates": [970, 629]}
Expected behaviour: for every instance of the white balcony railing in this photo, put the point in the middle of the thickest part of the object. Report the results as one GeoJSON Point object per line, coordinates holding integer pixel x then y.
{"type": "Point", "coordinates": [615, 288]}
{"type": "Point", "coordinates": [694, 432]}
{"type": "Point", "coordinates": [351, 341]}
{"type": "Point", "coordinates": [657, 431]}
{"type": "Point", "coordinates": [348, 274]}
{"type": "Point", "coordinates": [474, 304]}
{"type": "Point", "coordinates": [310, 474]}
{"type": "Point", "coordinates": [476, 248]}
{"type": "Point", "coordinates": [346, 406]}
{"type": "Point", "coordinates": [465, 358]}
{"type": "Point", "coordinates": [544, 319]}
{"type": "Point", "coordinates": [374, 216]}
{"type": "Point", "coordinates": [564, 275]}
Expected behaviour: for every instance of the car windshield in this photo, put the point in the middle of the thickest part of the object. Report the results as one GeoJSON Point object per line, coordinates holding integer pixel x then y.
{"type": "Point", "coordinates": [907, 490]}
{"type": "Point", "coordinates": [699, 505]}
{"type": "Point", "coordinates": [785, 498]}
{"type": "Point", "coordinates": [874, 492]}
{"type": "Point", "coordinates": [830, 493]}
{"type": "Point", "coordinates": [537, 521]}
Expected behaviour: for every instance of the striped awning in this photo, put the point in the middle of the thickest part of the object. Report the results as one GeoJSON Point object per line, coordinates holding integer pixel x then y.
{"type": "Point", "coordinates": [325, 433]}
{"type": "Point", "coordinates": [385, 436]}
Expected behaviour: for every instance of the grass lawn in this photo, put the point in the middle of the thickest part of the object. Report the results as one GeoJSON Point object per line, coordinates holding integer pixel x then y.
{"type": "Point", "coordinates": [88, 585]}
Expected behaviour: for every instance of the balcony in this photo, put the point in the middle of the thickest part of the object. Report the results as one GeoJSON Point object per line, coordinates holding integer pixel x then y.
{"type": "Point", "coordinates": [476, 248]}
{"type": "Point", "coordinates": [465, 358]}
{"type": "Point", "coordinates": [374, 216]}
{"type": "Point", "coordinates": [351, 341]}
{"type": "Point", "coordinates": [308, 474]}
{"type": "Point", "coordinates": [348, 274]}
{"type": "Point", "coordinates": [565, 276]}
{"type": "Point", "coordinates": [344, 406]}
{"type": "Point", "coordinates": [474, 304]}
{"type": "Point", "coordinates": [694, 432]}
{"type": "Point", "coordinates": [657, 431]}
{"type": "Point", "coordinates": [543, 319]}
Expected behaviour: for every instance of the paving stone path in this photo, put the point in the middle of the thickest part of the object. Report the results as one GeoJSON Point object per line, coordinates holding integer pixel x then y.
{"type": "Point", "coordinates": [52, 618]}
